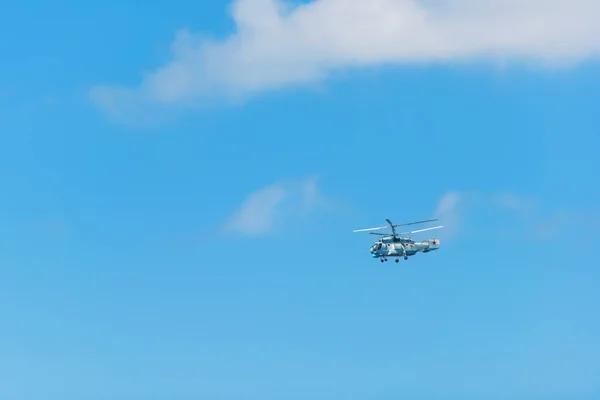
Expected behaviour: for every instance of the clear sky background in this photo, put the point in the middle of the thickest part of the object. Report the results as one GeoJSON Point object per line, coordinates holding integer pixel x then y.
{"type": "Point", "coordinates": [179, 182]}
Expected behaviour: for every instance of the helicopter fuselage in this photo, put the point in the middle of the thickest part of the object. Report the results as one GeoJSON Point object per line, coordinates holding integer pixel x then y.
{"type": "Point", "coordinates": [402, 247]}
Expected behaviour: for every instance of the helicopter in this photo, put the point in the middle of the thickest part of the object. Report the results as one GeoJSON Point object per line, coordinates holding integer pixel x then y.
{"type": "Point", "coordinates": [398, 244]}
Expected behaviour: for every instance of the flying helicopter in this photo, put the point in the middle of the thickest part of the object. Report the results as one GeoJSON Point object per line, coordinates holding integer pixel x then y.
{"type": "Point", "coordinates": [398, 244]}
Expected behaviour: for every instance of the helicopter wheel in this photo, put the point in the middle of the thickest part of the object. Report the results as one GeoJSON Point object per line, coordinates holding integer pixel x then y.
{"type": "Point", "coordinates": [406, 257]}
{"type": "Point", "coordinates": [381, 260]}
{"type": "Point", "coordinates": [397, 260]}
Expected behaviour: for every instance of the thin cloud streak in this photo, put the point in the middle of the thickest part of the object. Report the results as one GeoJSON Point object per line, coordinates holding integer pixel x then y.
{"type": "Point", "coordinates": [268, 209]}
{"type": "Point", "coordinates": [449, 213]}
{"type": "Point", "coordinates": [455, 208]}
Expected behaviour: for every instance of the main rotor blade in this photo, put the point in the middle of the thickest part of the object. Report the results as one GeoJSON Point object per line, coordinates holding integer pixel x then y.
{"type": "Point", "coordinates": [417, 222]}
{"type": "Point", "coordinates": [394, 226]}
{"type": "Point", "coordinates": [371, 229]}
{"type": "Point", "coordinates": [423, 230]}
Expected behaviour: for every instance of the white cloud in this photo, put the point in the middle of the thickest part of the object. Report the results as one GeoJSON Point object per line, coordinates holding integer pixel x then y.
{"type": "Point", "coordinates": [51, 226]}
{"type": "Point", "coordinates": [448, 211]}
{"type": "Point", "coordinates": [272, 207]}
{"type": "Point", "coordinates": [520, 213]}
{"type": "Point", "coordinates": [279, 44]}
{"type": "Point", "coordinates": [455, 208]}
{"type": "Point", "coordinates": [514, 203]}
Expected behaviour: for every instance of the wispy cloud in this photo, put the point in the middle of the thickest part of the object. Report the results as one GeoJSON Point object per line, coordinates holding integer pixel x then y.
{"type": "Point", "coordinates": [278, 44]}
{"type": "Point", "coordinates": [50, 227]}
{"type": "Point", "coordinates": [448, 211]}
{"type": "Point", "coordinates": [456, 207]}
{"type": "Point", "coordinates": [513, 202]}
{"type": "Point", "coordinates": [270, 208]}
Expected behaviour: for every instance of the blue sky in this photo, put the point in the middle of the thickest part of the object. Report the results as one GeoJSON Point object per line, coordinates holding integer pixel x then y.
{"type": "Point", "coordinates": [188, 234]}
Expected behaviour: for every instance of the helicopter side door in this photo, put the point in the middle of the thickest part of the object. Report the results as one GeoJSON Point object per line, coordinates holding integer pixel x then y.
{"type": "Point", "coordinates": [381, 248]}
{"type": "Point", "coordinates": [386, 248]}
